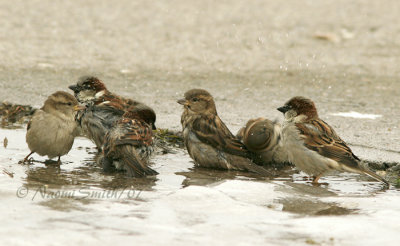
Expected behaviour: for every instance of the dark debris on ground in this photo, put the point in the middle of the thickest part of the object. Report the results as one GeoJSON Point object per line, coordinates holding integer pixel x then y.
{"type": "Point", "coordinates": [15, 114]}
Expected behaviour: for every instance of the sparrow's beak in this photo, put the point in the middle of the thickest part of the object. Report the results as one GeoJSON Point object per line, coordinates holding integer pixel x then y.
{"type": "Point", "coordinates": [79, 107]}
{"type": "Point", "coordinates": [284, 109]}
{"type": "Point", "coordinates": [153, 126]}
{"type": "Point", "coordinates": [183, 101]}
{"type": "Point", "coordinates": [74, 88]}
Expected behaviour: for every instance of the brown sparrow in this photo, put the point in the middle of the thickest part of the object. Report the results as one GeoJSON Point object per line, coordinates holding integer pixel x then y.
{"type": "Point", "coordinates": [208, 140]}
{"type": "Point", "coordinates": [90, 89]}
{"type": "Point", "coordinates": [52, 128]}
{"type": "Point", "coordinates": [96, 120]}
{"type": "Point", "coordinates": [262, 138]}
{"type": "Point", "coordinates": [104, 108]}
{"type": "Point", "coordinates": [128, 145]}
{"type": "Point", "coordinates": [313, 146]}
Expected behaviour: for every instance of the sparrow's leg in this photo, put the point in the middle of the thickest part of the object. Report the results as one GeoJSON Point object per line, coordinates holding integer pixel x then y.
{"type": "Point", "coordinates": [59, 161]}
{"type": "Point", "coordinates": [315, 180]}
{"type": "Point", "coordinates": [26, 158]}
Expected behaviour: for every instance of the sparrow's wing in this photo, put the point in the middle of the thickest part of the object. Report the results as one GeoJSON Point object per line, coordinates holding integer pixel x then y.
{"type": "Point", "coordinates": [135, 133]}
{"type": "Point", "coordinates": [99, 118]}
{"type": "Point", "coordinates": [320, 137]}
{"type": "Point", "coordinates": [111, 103]}
{"type": "Point", "coordinates": [121, 142]}
{"type": "Point", "coordinates": [107, 114]}
{"type": "Point", "coordinates": [213, 131]}
{"type": "Point", "coordinates": [117, 101]}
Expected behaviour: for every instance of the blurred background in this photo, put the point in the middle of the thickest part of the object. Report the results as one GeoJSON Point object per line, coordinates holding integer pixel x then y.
{"type": "Point", "coordinates": [251, 55]}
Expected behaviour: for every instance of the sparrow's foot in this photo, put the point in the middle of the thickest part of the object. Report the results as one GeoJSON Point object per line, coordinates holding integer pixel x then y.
{"type": "Point", "coordinates": [26, 159]}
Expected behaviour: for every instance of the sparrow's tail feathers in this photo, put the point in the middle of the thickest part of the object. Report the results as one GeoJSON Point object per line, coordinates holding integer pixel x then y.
{"type": "Point", "coordinates": [133, 163]}
{"type": "Point", "coordinates": [376, 176]}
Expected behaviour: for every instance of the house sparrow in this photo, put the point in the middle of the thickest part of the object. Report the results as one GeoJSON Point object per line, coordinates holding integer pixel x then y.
{"type": "Point", "coordinates": [313, 146]}
{"type": "Point", "coordinates": [52, 128]}
{"type": "Point", "coordinates": [128, 145]}
{"type": "Point", "coordinates": [90, 89]}
{"type": "Point", "coordinates": [208, 140]}
{"type": "Point", "coordinates": [96, 120]}
{"type": "Point", "coordinates": [104, 108]}
{"type": "Point", "coordinates": [262, 138]}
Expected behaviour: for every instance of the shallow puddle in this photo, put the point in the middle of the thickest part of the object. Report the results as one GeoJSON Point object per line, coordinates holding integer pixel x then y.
{"type": "Point", "coordinates": [252, 56]}
{"type": "Point", "coordinates": [76, 202]}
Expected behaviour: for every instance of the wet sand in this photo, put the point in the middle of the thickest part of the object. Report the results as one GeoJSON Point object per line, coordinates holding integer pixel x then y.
{"type": "Point", "coordinates": [252, 56]}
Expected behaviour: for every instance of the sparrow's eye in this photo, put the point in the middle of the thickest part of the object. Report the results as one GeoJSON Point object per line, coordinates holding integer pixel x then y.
{"type": "Point", "coordinates": [69, 104]}
{"type": "Point", "coordinates": [195, 99]}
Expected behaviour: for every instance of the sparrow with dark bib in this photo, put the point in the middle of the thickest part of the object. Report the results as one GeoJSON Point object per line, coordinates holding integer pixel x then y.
{"type": "Point", "coordinates": [104, 108]}
{"type": "Point", "coordinates": [313, 146]}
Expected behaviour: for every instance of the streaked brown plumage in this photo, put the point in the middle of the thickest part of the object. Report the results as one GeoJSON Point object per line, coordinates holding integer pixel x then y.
{"type": "Point", "coordinates": [92, 89]}
{"type": "Point", "coordinates": [262, 138]}
{"type": "Point", "coordinates": [128, 145]}
{"type": "Point", "coordinates": [52, 128]}
{"type": "Point", "coordinates": [104, 108]}
{"type": "Point", "coordinates": [208, 141]}
{"type": "Point", "coordinates": [313, 146]}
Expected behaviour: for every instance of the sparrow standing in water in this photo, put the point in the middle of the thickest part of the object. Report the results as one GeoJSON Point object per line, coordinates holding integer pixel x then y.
{"type": "Point", "coordinates": [208, 140]}
{"type": "Point", "coordinates": [313, 146]}
{"type": "Point", "coordinates": [103, 110]}
{"type": "Point", "coordinates": [52, 128]}
{"type": "Point", "coordinates": [262, 138]}
{"type": "Point", "coordinates": [128, 145]}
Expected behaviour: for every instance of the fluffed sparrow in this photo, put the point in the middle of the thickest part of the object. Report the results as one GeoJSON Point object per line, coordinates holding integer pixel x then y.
{"type": "Point", "coordinates": [104, 108]}
{"type": "Point", "coordinates": [262, 138]}
{"type": "Point", "coordinates": [52, 128]}
{"type": "Point", "coordinates": [128, 145]}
